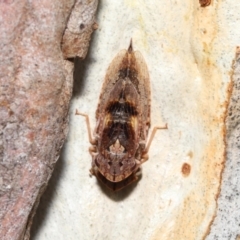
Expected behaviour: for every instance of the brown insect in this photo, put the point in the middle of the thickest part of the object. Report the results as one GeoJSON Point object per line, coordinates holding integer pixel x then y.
{"type": "Point", "coordinates": [119, 145]}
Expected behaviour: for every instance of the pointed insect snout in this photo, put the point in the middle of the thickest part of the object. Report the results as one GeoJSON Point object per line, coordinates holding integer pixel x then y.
{"type": "Point", "coordinates": [130, 48]}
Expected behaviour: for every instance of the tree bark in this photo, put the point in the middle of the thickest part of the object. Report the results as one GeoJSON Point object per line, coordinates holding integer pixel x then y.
{"type": "Point", "coordinates": [35, 91]}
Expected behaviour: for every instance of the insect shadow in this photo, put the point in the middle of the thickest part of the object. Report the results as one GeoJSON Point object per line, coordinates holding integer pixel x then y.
{"type": "Point", "coordinates": [79, 74]}
{"type": "Point", "coordinates": [121, 194]}
{"type": "Point", "coordinates": [48, 197]}
{"type": "Point", "coordinates": [81, 67]}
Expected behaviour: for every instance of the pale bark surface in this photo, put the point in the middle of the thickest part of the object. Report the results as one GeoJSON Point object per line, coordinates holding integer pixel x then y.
{"type": "Point", "coordinates": [35, 90]}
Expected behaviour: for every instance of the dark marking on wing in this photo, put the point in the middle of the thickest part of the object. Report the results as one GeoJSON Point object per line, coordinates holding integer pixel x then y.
{"type": "Point", "coordinates": [122, 110]}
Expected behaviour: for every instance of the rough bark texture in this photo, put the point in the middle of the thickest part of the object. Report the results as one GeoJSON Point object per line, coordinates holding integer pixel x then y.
{"type": "Point", "coordinates": [227, 222]}
{"type": "Point", "coordinates": [35, 90]}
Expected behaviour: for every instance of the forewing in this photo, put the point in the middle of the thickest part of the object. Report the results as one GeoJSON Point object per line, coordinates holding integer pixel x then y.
{"type": "Point", "coordinates": [112, 76]}
{"type": "Point", "coordinates": [144, 89]}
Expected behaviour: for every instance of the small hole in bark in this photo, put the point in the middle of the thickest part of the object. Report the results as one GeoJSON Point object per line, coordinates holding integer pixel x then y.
{"type": "Point", "coordinates": [186, 169]}
{"type": "Point", "coordinates": [204, 3]}
{"type": "Point", "coordinates": [82, 26]}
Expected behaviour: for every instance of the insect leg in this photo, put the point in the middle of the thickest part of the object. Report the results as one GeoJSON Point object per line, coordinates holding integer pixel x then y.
{"type": "Point", "coordinates": [145, 152]}
{"type": "Point", "coordinates": [91, 139]}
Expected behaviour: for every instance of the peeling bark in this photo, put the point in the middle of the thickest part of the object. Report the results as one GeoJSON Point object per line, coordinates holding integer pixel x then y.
{"type": "Point", "coordinates": [81, 24]}
{"type": "Point", "coordinates": [36, 87]}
